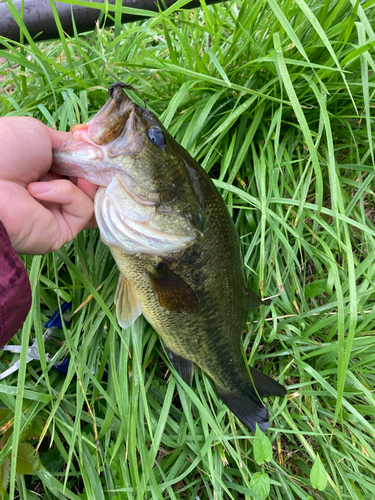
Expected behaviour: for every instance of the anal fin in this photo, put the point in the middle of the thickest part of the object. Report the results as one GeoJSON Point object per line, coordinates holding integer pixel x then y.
{"type": "Point", "coordinates": [128, 305]}
{"type": "Point", "coordinates": [184, 367]}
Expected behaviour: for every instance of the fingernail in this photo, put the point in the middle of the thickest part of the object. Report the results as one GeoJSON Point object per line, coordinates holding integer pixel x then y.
{"type": "Point", "coordinates": [41, 187]}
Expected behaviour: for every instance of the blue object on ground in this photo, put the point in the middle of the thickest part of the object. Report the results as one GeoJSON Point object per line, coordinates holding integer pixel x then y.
{"type": "Point", "coordinates": [55, 319]}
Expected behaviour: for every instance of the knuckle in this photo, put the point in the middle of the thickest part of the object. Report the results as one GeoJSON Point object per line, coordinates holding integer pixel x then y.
{"type": "Point", "coordinates": [67, 187]}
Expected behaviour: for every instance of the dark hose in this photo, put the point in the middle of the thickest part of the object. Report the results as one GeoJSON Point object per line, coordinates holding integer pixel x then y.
{"type": "Point", "coordinates": [38, 16]}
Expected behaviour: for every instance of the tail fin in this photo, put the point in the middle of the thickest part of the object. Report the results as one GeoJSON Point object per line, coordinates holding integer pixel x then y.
{"type": "Point", "coordinates": [245, 403]}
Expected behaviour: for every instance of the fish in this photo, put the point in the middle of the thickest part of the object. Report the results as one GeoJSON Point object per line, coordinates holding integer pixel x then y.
{"type": "Point", "coordinates": [176, 247]}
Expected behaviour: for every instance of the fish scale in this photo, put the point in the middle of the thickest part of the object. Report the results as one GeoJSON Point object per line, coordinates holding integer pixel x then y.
{"type": "Point", "coordinates": [182, 266]}
{"type": "Point", "coordinates": [215, 330]}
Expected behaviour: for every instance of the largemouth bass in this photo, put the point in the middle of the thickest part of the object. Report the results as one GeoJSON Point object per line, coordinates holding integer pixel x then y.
{"type": "Point", "coordinates": [176, 247]}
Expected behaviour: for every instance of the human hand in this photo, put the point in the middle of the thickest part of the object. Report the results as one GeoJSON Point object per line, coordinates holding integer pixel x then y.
{"type": "Point", "coordinates": [65, 208]}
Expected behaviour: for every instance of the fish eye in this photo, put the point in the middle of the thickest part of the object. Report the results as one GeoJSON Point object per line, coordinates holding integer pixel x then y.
{"type": "Point", "coordinates": [157, 136]}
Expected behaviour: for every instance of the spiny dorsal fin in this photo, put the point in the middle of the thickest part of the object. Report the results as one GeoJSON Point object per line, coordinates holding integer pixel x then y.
{"type": "Point", "coordinates": [184, 367]}
{"type": "Point", "coordinates": [173, 293]}
{"type": "Point", "coordinates": [128, 305]}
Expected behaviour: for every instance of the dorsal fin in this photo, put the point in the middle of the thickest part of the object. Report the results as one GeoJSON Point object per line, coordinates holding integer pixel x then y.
{"type": "Point", "coordinates": [254, 300]}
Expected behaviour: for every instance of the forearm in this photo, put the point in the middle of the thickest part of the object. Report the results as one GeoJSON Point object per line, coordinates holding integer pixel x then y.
{"type": "Point", "coordinates": [15, 291]}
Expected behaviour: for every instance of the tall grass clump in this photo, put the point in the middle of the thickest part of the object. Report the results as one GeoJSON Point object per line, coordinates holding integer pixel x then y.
{"type": "Point", "coordinates": [275, 100]}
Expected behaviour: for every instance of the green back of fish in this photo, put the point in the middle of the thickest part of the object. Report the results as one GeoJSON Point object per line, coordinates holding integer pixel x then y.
{"type": "Point", "coordinates": [210, 334]}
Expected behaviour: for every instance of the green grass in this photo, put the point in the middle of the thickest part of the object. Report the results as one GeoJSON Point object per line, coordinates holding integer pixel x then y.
{"type": "Point", "coordinates": [275, 100]}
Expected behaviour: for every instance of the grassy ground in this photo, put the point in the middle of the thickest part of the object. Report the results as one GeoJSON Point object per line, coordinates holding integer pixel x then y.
{"type": "Point", "coordinates": [274, 99]}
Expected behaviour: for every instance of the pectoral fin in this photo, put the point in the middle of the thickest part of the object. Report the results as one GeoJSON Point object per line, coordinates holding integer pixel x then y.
{"type": "Point", "coordinates": [173, 293]}
{"type": "Point", "coordinates": [128, 305]}
{"type": "Point", "coordinates": [184, 367]}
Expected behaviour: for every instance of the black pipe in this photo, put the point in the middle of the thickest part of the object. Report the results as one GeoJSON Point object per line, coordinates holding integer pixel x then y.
{"type": "Point", "coordinates": [38, 16]}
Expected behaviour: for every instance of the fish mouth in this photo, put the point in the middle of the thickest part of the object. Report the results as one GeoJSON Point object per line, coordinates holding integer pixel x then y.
{"type": "Point", "coordinates": [94, 145]}
{"type": "Point", "coordinates": [113, 150]}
